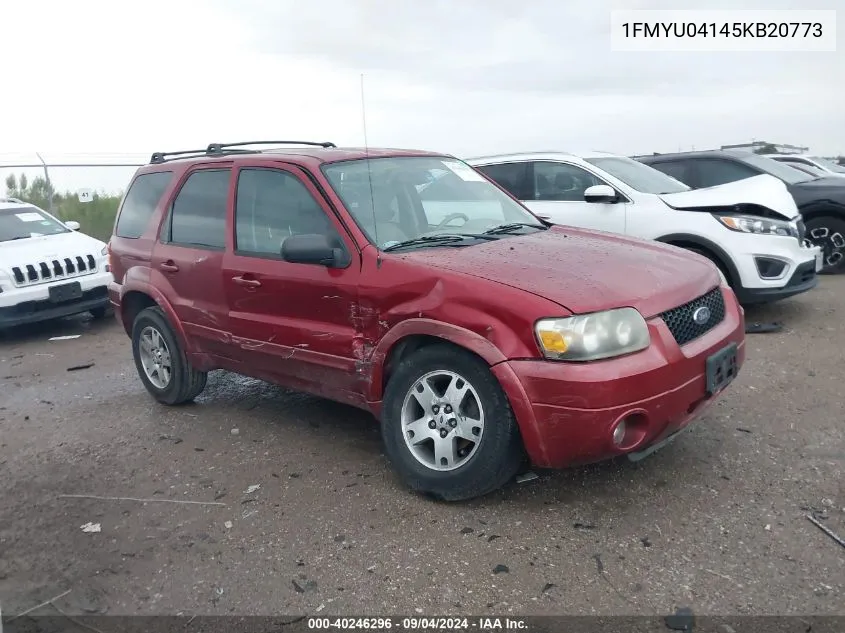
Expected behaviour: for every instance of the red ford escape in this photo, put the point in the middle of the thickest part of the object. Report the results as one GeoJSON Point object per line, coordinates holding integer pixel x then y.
{"type": "Point", "coordinates": [407, 284]}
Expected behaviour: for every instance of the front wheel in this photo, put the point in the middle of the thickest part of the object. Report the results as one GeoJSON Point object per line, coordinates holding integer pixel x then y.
{"type": "Point", "coordinates": [828, 233]}
{"type": "Point", "coordinates": [448, 427]}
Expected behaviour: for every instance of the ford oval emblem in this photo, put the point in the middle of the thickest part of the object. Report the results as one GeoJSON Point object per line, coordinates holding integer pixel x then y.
{"type": "Point", "coordinates": [701, 315]}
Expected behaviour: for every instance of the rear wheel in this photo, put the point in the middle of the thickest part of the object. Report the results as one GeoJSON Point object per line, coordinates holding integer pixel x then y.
{"type": "Point", "coordinates": [161, 362]}
{"type": "Point", "coordinates": [447, 426]}
{"type": "Point", "coordinates": [829, 233]}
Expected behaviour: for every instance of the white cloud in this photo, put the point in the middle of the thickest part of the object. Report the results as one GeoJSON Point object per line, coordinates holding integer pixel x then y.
{"type": "Point", "coordinates": [468, 77]}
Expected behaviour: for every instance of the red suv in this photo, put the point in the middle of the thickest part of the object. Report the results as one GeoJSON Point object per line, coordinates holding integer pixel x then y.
{"type": "Point", "coordinates": [408, 284]}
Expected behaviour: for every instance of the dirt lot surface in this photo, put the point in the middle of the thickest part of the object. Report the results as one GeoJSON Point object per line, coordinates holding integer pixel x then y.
{"type": "Point", "coordinates": [310, 519]}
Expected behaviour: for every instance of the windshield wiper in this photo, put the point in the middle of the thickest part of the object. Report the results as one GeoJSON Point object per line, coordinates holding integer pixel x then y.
{"type": "Point", "coordinates": [510, 227]}
{"type": "Point", "coordinates": [17, 237]}
{"type": "Point", "coordinates": [434, 240]}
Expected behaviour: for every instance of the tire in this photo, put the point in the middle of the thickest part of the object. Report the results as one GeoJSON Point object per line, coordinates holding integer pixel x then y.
{"type": "Point", "coordinates": [485, 466]}
{"type": "Point", "coordinates": [829, 233]}
{"type": "Point", "coordinates": [183, 383]}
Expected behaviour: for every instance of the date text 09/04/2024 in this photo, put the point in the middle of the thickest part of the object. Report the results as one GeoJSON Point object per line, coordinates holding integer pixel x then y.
{"type": "Point", "coordinates": [418, 623]}
{"type": "Point", "coordinates": [725, 29]}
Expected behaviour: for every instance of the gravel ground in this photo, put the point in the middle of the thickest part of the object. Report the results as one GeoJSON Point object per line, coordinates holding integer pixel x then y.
{"type": "Point", "coordinates": [310, 519]}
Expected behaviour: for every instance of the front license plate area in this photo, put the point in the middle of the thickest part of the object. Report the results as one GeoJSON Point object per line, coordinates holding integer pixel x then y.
{"type": "Point", "coordinates": [721, 369]}
{"type": "Point", "coordinates": [65, 292]}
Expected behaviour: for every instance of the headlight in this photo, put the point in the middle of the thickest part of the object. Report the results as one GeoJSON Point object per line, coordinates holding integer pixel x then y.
{"type": "Point", "coordinates": [593, 336]}
{"type": "Point", "coordinates": [760, 226]}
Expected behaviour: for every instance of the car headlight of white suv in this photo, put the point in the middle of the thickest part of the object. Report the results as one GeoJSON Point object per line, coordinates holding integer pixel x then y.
{"type": "Point", "coordinates": [593, 336]}
{"type": "Point", "coordinates": [757, 225]}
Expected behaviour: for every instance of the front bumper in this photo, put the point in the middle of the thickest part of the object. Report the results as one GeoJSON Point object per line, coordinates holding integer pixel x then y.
{"type": "Point", "coordinates": [19, 306]}
{"type": "Point", "coordinates": [796, 267]}
{"type": "Point", "coordinates": [567, 412]}
{"type": "Point", "coordinates": [803, 278]}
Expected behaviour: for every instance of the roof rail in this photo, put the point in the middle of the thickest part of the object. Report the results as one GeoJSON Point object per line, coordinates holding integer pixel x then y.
{"type": "Point", "coordinates": [221, 149]}
{"type": "Point", "coordinates": [15, 200]}
{"type": "Point", "coordinates": [217, 148]}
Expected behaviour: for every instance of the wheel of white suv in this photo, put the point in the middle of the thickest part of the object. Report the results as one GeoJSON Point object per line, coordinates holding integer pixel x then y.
{"type": "Point", "coordinates": [161, 362]}
{"type": "Point", "coordinates": [447, 426]}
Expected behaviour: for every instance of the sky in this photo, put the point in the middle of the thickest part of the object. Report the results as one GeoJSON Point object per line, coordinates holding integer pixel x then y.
{"type": "Point", "coordinates": [103, 81]}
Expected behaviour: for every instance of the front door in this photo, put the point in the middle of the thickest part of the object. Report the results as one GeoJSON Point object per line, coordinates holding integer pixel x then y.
{"type": "Point", "coordinates": [293, 322]}
{"type": "Point", "coordinates": [558, 196]}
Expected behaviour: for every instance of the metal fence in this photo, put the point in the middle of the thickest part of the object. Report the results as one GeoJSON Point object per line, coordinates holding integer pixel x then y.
{"type": "Point", "coordinates": [22, 162]}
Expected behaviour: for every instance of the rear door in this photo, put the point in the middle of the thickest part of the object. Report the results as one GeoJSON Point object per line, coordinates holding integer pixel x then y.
{"type": "Point", "coordinates": [187, 259]}
{"type": "Point", "coordinates": [292, 321]}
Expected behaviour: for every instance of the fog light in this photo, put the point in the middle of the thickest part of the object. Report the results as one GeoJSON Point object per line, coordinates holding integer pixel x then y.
{"type": "Point", "coordinates": [619, 433]}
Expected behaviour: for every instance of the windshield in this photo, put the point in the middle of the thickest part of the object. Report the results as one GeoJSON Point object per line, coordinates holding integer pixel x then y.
{"type": "Point", "coordinates": [808, 169]}
{"type": "Point", "coordinates": [398, 199]}
{"type": "Point", "coordinates": [24, 222]}
{"type": "Point", "coordinates": [828, 164]}
{"type": "Point", "coordinates": [637, 175]}
{"type": "Point", "coordinates": [777, 169]}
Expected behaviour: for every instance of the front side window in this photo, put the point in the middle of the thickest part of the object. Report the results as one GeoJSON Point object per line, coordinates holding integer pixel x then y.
{"type": "Point", "coordinates": [23, 222]}
{"type": "Point", "coordinates": [638, 176]}
{"type": "Point", "coordinates": [198, 215]}
{"type": "Point", "coordinates": [398, 199]}
{"type": "Point", "coordinates": [562, 182]}
{"type": "Point", "coordinates": [272, 205]}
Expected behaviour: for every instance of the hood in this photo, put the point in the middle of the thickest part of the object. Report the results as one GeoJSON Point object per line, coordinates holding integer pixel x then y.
{"type": "Point", "coordinates": [583, 271]}
{"type": "Point", "coordinates": [763, 190]}
{"type": "Point", "coordinates": [48, 247]}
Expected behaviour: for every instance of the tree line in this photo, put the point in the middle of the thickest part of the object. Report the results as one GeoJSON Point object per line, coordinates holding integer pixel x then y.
{"type": "Point", "coordinates": [95, 217]}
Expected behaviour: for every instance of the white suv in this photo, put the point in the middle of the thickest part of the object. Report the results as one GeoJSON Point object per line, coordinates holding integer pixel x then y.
{"type": "Point", "coordinates": [750, 229]}
{"type": "Point", "coordinates": [47, 269]}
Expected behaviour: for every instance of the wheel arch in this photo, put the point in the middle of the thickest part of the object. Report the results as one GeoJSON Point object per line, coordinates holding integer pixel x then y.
{"type": "Point", "coordinates": [719, 256]}
{"type": "Point", "coordinates": [414, 334]}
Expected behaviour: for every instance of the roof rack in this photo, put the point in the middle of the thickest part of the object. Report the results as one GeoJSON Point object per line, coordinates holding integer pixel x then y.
{"type": "Point", "coordinates": [222, 149]}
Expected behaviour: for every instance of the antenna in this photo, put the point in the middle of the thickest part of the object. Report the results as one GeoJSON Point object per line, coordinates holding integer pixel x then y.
{"type": "Point", "coordinates": [369, 173]}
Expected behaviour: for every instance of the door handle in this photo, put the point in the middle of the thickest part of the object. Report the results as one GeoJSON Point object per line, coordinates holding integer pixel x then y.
{"type": "Point", "coordinates": [169, 266]}
{"type": "Point", "coordinates": [247, 283]}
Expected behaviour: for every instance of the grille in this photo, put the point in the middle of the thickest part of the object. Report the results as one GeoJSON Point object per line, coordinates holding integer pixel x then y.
{"type": "Point", "coordinates": [680, 323]}
{"type": "Point", "coordinates": [50, 270]}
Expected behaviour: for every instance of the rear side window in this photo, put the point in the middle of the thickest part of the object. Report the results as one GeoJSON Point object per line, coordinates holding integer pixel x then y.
{"type": "Point", "coordinates": [198, 215]}
{"type": "Point", "coordinates": [140, 203]}
{"type": "Point", "coordinates": [512, 177]}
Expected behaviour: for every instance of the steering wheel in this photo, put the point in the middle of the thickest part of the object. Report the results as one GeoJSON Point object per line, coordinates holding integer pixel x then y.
{"type": "Point", "coordinates": [452, 216]}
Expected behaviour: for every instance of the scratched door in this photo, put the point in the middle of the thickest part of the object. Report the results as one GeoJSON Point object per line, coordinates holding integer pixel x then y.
{"type": "Point", "coordinates": [294, 322]}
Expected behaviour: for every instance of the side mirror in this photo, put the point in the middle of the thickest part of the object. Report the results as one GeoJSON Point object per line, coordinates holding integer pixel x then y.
{"type": "Point", "coordinates": [601, 193]}
{"type": "Point", "coordinates": [313, 249]}
{"type": "Point", "coordinates": [73, 225]}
